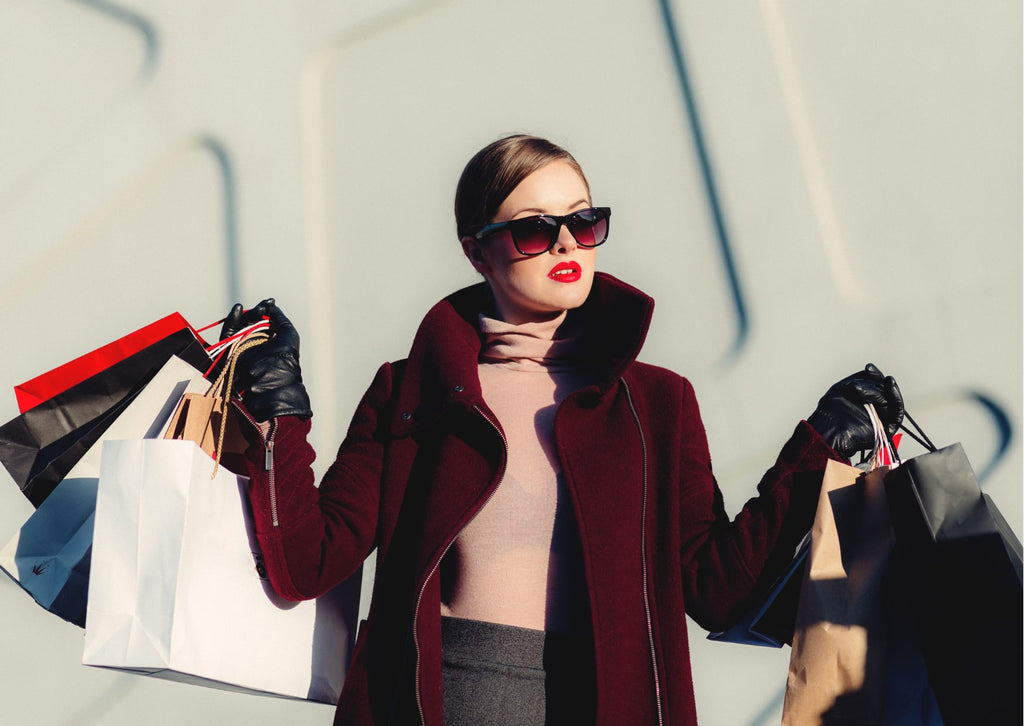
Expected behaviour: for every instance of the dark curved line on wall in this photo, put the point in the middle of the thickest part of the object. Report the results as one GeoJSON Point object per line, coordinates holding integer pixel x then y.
{"type": "Point", "coordinates": [231, 256]}
{"type": "Point", "coordinates": [136, 21]}
{"type": "Point", "coordinates": [742, 318]}
{"type": "Point", "coordinates": [1003, 425]}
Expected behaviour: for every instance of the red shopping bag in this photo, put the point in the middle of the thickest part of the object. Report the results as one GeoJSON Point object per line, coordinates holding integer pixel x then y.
{"type": "Point", "coordinates": [47, 385]}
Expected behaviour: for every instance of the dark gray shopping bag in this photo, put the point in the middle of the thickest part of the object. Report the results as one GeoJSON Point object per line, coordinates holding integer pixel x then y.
{"type": "Point", "coordinates": [960, 564]}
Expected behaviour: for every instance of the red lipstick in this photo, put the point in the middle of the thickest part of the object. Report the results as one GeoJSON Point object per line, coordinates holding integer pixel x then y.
{"type": "Point", "coordinates": [566, 272]}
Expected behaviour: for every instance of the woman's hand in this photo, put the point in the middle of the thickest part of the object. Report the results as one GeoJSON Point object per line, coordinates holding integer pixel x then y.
{"type": "Point", "coordinates": [240, 318]}
{"type": "Point", "coordinates": [269, 375]}
{"type": "Point", "coordinates": [841, 418]}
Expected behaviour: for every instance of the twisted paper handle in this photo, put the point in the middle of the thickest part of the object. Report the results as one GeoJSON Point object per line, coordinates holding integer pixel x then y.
{"type": "Point", "coordinates": [221, 388]}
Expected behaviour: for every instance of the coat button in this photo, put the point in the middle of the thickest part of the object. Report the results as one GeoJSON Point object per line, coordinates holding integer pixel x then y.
{"type": "Point", "coordinates": [406, 415]}
{"type": "Point", "coordinates": [459, 389]}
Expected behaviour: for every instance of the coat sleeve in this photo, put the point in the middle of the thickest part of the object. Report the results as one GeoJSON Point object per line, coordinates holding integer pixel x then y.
{"type": "Point", "coordinates": [725, 564]}
{"type": "Point", "coordinates": [312, 538]}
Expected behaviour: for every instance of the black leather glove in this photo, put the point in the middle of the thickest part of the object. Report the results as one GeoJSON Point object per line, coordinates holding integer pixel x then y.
{"type": "Point", "coordinates": [841, 418]}
{"type": "Point", "coordinates": [239, 318]}
{"type": "Point", "coordinates": [268, 375]}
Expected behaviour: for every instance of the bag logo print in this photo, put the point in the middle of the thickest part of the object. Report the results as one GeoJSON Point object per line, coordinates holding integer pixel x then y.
{"type": "Point", "coordinates": [40, 568]}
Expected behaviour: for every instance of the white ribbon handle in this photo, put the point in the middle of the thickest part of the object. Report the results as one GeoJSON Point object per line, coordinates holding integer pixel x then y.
{"type": "Point", "coordinates": [883, 454]}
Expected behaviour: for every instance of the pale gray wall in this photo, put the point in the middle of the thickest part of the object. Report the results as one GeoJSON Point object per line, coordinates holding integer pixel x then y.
{"type": "Point", "coordinates": [864, 159]}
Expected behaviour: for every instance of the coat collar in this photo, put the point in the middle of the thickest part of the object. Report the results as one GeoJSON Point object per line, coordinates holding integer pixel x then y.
{"type": "Point", "coordinates": [442, 363]}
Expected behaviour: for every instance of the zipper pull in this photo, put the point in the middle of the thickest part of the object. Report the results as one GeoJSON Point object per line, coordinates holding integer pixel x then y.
{"type": "Point", "coordinates": [269, 462]}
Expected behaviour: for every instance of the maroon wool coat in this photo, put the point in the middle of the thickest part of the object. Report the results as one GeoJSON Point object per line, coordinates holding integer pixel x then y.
{"type": "Point", "coordinates": [424, 451]}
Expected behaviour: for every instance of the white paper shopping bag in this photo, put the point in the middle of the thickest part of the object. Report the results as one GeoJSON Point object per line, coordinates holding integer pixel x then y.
{"type": "Point", "coordinates": [174, 586]}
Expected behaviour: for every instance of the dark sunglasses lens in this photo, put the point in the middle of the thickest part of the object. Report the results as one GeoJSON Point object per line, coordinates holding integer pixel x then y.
{"type": "Point", "coordinates": [589, 227]}
{"type": "Point", "coordinates": [533, 235]}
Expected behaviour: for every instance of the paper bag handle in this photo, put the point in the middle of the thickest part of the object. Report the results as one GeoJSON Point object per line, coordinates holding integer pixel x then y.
{"type": "Point", "coordinates": [883, 453]}
{"type": "Point", "coordinates": [923, 440]}
{"type": "Point", "coordinates": [193, 415]}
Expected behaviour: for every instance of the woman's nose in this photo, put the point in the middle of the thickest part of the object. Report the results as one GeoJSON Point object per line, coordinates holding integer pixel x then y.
{"type": "Point", "coordinates": [565, 242]}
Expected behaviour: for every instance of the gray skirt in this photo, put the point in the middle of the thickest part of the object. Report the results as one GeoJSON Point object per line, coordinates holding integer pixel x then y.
{"type": "Point", "coordinates": [501, 675]}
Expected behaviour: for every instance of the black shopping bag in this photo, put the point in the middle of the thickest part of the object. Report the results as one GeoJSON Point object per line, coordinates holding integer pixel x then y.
{"type": "Point", "coordinates": [771, 619]}
{"type": "Point", "coordinates": [41, 445]}
{"type": "Point", "coordinates": [960, 564]}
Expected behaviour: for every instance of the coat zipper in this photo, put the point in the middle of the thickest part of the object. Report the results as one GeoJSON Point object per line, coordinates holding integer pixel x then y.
{"type": "Point", "coordinates": [444, 551]}
{"type": "Point", "coordinates": [268, 459]}
{"type": "Point", "coordinates": [643, 554]}
{"type": "Point", "coordinates": [268, 464]}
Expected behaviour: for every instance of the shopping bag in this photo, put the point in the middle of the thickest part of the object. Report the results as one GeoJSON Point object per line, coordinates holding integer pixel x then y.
{"type": "Point", "coordinates": [770, 620]}
{"type": "Point", "coordinates": [40, 446]}
{"type": "Point", "coordinates": [174, 589]}
{"type": "Point", "coordinates": [961, 566]}
{"type": "Point", "coordinates": [47, 385]}
{"type": "Point", "coordinates": [856, 655]}
{"type": "Point", "coordinates": [837, 664]}
{"type": "Point", "coordinates": [50, 555]}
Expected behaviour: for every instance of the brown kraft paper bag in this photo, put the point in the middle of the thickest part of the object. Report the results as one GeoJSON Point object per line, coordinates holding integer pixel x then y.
{"type": "Point", "coordinates": [209, 420]}
{"type": "Point", "coordinates": [837, 667]}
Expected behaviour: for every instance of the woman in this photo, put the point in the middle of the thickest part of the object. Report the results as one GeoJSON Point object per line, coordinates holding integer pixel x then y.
{"type": "Point", "coordinates": [541, 503]}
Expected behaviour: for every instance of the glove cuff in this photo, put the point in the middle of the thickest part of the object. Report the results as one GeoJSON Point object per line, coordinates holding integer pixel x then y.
{"type": "Point", "coordinates": [290, 400]}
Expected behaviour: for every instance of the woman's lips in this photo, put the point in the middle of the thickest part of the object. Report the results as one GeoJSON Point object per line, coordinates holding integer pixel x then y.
{"type": "Point", "coordinates": [566, 272]}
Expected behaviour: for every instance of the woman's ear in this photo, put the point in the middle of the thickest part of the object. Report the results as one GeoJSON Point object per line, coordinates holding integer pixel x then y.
{"type": "Point", "coordinates": [474, 253]}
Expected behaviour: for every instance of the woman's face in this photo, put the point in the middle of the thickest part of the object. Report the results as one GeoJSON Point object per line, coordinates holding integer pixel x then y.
{"type": "Point", "coordinates": [530, 289]}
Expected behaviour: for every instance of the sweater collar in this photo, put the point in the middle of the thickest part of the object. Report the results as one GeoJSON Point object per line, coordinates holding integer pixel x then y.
{"type": "Point", "coordinates": [547, 344]}
{"type": "Point", "coordinates": [442, 363]}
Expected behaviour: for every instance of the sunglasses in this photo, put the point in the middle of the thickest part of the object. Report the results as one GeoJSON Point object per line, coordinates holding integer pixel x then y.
{"type": "Point", "coordinates": [537, 234]}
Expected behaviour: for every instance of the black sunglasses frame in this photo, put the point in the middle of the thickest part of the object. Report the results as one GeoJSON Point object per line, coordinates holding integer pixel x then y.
{"type": "Point", "coordinates": [555, 222]}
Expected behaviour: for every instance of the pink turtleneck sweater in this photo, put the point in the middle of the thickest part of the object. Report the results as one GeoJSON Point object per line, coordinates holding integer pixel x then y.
{"type": "Point", "coordinates": [518, 562]}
